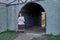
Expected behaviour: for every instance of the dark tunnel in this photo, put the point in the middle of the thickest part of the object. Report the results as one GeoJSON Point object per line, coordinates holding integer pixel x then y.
{"type": "Point", "coordinates": [32, 13]}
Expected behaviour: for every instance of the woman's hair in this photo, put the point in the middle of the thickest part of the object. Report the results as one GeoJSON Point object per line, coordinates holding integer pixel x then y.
{"type": "Point", "coordinates": [21, 14]}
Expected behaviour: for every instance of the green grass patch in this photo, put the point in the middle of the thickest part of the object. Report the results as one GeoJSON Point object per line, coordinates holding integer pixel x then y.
{"type": "Point", "coordinates": [8, 35]}
{"type": "Point", "coordinates": [34, 39]}
{"type": "Point", "coordinates": [51, 37]}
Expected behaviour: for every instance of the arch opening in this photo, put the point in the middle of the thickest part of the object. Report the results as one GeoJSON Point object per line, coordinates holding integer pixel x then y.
{"type": "Point", "coordinates": [34, 15]}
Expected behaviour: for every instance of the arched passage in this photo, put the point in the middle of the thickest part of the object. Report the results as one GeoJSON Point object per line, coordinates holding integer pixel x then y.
{"type": "Point", "coordinates": [33, 14]}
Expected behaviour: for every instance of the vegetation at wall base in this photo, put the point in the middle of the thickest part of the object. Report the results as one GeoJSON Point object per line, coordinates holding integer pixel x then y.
{"type": "Point", "coordinates": [52, 37]}
{"type": "Point", "coordinates": [8, 35]}
{"type": "Point", "coordinates": [48, 37]}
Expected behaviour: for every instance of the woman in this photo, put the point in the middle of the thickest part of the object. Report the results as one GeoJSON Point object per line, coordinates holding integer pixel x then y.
{"type": "Point", "coordinates": [21, 23]}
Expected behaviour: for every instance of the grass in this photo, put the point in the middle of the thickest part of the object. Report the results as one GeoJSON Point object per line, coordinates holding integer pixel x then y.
{"type": "Point", "coordinates": [51, 37]}
{"type": "Point", "coordinates": [34, 39]}
{"type": "Point", "coordinates": [8, 35]}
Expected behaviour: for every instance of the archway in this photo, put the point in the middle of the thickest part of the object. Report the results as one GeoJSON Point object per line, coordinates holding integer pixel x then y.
{"type": "Point", "coordinates": [33, 15]}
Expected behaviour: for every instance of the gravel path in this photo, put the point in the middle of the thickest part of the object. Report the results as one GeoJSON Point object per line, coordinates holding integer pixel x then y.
{"type": "Point", "coordinates": [29, 36]}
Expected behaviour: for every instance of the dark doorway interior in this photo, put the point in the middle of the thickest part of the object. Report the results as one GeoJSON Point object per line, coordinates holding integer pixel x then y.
{"type": "Point", "coordinates": [32, 13]}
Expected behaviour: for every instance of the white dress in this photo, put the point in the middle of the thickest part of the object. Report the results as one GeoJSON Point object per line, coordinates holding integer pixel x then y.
{"type": "Point", "coordinates": [21, 20]}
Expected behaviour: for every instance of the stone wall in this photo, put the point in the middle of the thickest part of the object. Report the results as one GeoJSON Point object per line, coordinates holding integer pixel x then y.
{"type": "Point", "coordinates": [52, 9]}
{"type": "Point", "coordinates": [3, 17]}
{"type": "Point", "coordinates": [3, 1]}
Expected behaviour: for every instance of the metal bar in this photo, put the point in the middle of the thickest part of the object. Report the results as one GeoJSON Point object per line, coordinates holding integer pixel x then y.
{"type": "Point", "coordinates": [12, 1]}
{"type": "Point", "coordinates": [14, 4]}
{"type": "Point", "coordinates": [2, 3]}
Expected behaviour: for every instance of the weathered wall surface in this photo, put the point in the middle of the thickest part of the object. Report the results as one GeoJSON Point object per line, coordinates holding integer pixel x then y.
{"type": "Point", "coordinates": [3, 17]}
{"type": "Point", "coordinates": [52, 17]}
{"type": "Point", "coordinates": [13, 16]}
{"type": "Point", "coordinates": [52, 8]}
{"type": "Point", "coordinates": [3, 1]}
